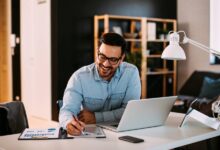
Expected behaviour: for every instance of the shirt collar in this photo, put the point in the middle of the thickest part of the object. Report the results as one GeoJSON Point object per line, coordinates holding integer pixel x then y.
{"type": "Point", "coordinates": [98, 78]}
{"type": "Point", "coordinates": [96, 73]}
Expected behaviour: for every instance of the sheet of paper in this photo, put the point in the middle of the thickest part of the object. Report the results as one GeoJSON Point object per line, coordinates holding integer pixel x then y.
{"type": "Point", "coordinates": [210, 122]}
{"type": "Point", "coordinates": [49, 133]}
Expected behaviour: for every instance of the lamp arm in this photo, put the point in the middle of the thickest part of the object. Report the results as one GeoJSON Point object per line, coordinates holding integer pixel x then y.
{"type": "Point", "coordinates": [203, 47]}
{"type": "Point", "coordinates": [197, 44]}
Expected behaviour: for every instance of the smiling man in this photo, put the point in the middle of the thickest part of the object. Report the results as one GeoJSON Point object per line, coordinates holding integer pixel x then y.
{"type": "Point", "coordinates": [100, 92]}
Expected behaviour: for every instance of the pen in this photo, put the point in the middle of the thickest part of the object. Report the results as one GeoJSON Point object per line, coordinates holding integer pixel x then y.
{"type": "Point", "coordinates": [83, 133]}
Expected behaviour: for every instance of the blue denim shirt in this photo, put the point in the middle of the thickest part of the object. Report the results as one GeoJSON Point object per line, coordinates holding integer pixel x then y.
{"type": "Point", "coordinates": [107, 99]}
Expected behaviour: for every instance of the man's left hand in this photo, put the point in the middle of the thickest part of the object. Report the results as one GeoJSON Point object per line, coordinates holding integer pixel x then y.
{"type": "Point", "coordinates": [87, 117]}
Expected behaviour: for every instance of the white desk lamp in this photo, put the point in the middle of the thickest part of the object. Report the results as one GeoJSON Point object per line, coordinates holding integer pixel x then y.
{"type": "Point", "coordinates": [174, 52]}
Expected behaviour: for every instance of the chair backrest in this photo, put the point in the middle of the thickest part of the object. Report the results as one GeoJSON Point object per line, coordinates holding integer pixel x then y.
{"type": "Point", "coordinates": [4, 126]}
{"type": "Point", "coordinates": [59, 105]}
{"type": "Point", "coordinates": [13, 116]}
{"type": "Point", "coordinates": [194, 83]}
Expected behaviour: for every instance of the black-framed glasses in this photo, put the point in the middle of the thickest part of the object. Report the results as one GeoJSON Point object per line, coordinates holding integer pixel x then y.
{"type": "Point", "coordinates": [111, 60]}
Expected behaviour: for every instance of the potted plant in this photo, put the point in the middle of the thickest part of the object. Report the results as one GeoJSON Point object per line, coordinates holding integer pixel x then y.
{"type": "Point", "coordinates": [134, 58]}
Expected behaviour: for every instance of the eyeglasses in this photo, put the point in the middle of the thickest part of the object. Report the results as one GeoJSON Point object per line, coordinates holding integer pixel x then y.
{"type": "Point", "coordinates": [111, 60]}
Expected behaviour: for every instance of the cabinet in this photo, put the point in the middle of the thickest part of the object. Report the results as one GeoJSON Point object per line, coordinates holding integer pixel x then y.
{"type": "Point", "coordinates": [146, 38]}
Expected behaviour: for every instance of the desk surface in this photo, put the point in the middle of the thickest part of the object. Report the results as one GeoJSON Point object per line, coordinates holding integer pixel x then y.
{"type": "Point", "coordinates": [164, 137]}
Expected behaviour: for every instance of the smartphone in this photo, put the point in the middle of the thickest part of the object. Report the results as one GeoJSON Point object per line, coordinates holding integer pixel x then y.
{"type": "Point", "coordinates": [131, 139]}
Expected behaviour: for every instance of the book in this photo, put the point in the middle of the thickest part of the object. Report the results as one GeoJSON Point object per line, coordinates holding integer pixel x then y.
{"type": "Point", "coordinates": [151, 31]}
{"type": "Point", "coordinates": [206, 120]}
{"type": "Point", "coordinates": [91, 131]}
{"type": "Point", "coordinates": [213, 123]}
{"type": "Point", "coordinates": [36, 134]}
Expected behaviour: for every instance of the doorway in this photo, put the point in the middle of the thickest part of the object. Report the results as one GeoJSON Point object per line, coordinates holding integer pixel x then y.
{"type": "Point", "coordinates": [15, 31]}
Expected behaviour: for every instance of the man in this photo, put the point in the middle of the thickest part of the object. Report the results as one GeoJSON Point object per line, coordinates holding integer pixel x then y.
{"type": "Point", "coordinates": [102, 88]}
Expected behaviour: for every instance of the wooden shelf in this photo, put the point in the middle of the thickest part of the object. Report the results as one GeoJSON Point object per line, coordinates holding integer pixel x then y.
{"type": "Point", "coordinates": [159, 72]}
{"type": "Point", "coordinates": [153, 56]}
{"type": "Point", "coordinates": [133, 40]}
{"type": "Point", "coordinates": [158, 40]}
{"type": "Point", "coordinates": [120, 17]}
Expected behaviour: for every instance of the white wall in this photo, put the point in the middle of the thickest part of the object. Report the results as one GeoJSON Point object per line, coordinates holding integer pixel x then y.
{"type": "Point", "coordinates": [214, 25]}
{"type": "Point", "coordinates": [194, 19]}
{"type": "Point", "coordinates": [36, 57]}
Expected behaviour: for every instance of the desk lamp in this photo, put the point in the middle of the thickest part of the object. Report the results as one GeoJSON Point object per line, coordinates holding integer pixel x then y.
{"type": "Point", "coordinates": [174, 52]}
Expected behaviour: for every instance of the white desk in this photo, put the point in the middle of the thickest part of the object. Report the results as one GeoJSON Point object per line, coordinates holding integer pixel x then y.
{"type": "Point", "coordinates": [164, 137]}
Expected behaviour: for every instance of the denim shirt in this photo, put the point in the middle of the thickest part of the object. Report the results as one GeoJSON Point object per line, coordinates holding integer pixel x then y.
{"type": "Point", "coordinates": [107, 99]}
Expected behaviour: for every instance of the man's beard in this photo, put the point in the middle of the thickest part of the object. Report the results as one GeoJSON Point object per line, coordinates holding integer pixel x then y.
{"type": "Point", "coordinates": [105, 72]}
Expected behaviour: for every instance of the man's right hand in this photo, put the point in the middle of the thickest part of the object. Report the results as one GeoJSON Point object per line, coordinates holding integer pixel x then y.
{"type": "Point", "coordinates": [75, 127]}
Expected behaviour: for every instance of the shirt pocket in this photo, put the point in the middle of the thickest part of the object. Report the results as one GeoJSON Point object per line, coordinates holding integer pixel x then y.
{"type": "Point", "coordinates": [116, 100]}
{"type": "Point", "coordinates": [93, 104]}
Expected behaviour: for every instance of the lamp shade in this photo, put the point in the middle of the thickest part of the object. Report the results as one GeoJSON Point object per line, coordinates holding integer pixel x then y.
{"type": "Point", "coordinates": [173, 51]}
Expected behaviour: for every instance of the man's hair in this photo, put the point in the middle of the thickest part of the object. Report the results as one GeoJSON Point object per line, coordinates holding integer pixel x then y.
{"type": "Point", "coordinates": [114, 39]}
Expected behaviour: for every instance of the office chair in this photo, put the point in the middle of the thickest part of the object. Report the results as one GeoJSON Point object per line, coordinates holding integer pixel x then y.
{"type": "Point", "coordinates": [59, 105]}
{"type": "Point", "coordinates": [4, 128]}
{"type": "Point", "coordinates": [13, 118]}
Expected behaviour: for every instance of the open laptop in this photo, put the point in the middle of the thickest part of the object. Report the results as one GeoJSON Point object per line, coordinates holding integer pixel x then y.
{"type": "Point", "coordinates": [143, 113]}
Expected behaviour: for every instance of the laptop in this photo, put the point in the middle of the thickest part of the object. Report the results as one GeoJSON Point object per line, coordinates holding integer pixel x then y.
{"type": "Point", "coordinates": [143, 113]}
